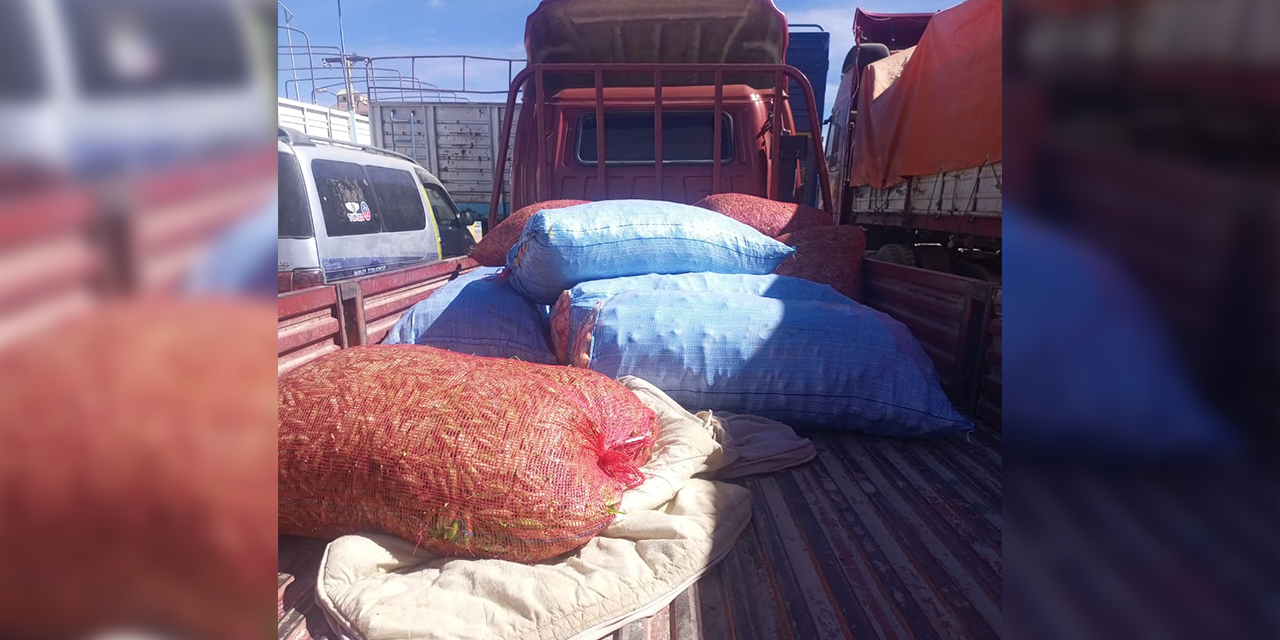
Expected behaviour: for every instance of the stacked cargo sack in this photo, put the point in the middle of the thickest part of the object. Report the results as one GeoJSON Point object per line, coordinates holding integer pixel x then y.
{"type": "Point", "coordinates": [770, 217]}
{"type": "Point", "coordinates": [618, 238]}
{"type": "Point", "coordinates": [575, 304]}
{"type": "Point", "coordinates": [492, 249]}
{"type": "Point", "coordinates": [462, 455]}
{"type": "Point", "coordinates": [477, 314]}
{"type": "Point", "coordinates": [838, 365]}
{"type": "Point", "coordinates": [827, 255]}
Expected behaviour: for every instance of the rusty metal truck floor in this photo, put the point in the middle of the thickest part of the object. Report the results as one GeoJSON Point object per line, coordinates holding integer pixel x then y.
{"type": "Point", "coordinates": [875, 538]}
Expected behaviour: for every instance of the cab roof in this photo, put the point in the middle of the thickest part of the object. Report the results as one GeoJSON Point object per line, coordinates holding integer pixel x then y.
{"type": "Point", "coordinates": [649, 31]}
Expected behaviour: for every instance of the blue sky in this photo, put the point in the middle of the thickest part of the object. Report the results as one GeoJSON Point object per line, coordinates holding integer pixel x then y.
{"type": "Point", "coordinates": [496, 28]}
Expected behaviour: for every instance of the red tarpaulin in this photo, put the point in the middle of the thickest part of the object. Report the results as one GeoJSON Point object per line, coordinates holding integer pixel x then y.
{"type": "Point", "coordinates": [936, 106]}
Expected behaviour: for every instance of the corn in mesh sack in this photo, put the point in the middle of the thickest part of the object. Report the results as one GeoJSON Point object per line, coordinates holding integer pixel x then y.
{"type": "Point", "coordinates": [574, 305]}
{"type": "Point", "coordinates": [838, 365]}
{"type": "Point", "coordinates": [617, 238]}
{"type": "Point", "coordinates": [829, 255]}
{"type": "Point", "coordinates": [461, 454]}
{"type": "Point", "coordinates": [769, 217]}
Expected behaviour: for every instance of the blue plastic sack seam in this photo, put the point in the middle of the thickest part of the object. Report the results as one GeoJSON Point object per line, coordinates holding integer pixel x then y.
{"type": "Point", "coordinates": [539, 240]}
{"type": "Point", "coordinates": [814, 395]}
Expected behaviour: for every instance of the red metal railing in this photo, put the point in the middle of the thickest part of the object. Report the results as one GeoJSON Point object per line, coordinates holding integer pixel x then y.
{"type": "Point", "coordinates": [539, 72]}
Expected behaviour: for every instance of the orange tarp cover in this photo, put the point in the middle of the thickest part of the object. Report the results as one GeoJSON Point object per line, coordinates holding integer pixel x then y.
{"type": "Point", "coordinates": [936, 106]}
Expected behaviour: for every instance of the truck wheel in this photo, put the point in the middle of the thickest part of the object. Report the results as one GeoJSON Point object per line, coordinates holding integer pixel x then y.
{"type": "Point", "coordinates": [933, 257]}
{"type": "Point", "coordinates": [974, 270]}
{"type": "Point", "coordinates": [897, 254]}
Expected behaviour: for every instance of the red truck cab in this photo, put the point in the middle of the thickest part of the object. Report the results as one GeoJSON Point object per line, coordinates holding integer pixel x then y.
{"type": "Point", "coordinates": [687, 147]}
{"type": "Point", "coordinates": [693, 98]}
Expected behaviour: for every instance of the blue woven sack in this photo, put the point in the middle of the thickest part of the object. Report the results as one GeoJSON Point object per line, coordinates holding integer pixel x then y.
{"type": "Point", "coordinates": [838, 365]}
{"type": "Point", "coordinates": [1090, 368]}
{"type": "Point", "coordinates": [618, 238]}
{"type": "Point", "coordinates": [576, 304]}
{"type": "Point", "coordinates": [477, 314]}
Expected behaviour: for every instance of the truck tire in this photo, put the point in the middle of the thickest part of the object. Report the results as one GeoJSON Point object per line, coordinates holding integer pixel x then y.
{"type": "Point", "coordinates": [870, 52]}
{"type": "Point", "coordinates": [897, 254]}
{"type": "Point", "coordinates": [975, 271]}
{"type": "Point", "coordinates": [933, 257]}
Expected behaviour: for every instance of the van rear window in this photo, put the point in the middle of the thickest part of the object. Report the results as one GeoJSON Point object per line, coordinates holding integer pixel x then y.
{"type": "Point", "coordinates": [687, 137]}
{"type": "Point", "coordinates": [295, 211]}
{"type": "Point", "coordinates": [347, 199]}
{"type": "Point", "coordinates": [401, 202]}
{"type": "Point", "coordinates": [144, 46]}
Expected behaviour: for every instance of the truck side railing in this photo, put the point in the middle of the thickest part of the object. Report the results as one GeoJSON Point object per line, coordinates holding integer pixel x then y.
{"type": "Point", "coordinates": [538, 73]}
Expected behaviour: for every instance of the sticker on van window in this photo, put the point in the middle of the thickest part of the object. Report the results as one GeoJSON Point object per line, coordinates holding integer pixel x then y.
{"type": "Point", "coordinates": [358, 212]}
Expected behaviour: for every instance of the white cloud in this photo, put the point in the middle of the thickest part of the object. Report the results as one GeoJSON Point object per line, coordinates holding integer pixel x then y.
{"type": "Point", "coordinates": [435, 4]}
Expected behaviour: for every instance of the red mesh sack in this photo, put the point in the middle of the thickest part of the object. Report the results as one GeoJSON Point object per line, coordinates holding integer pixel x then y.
{"type": "Point", "coordinates": [460, 454]}
{"type": "Point", "coordinates": [827, 256]}
{"type": "Point", "coordinates": [560, 327]}
{"type": "Point", "coordinates": [769, 217]}
{"type": "Point", "coordinates": [136, 462]}
{"type": "Point", "coordinates": [493, 248]}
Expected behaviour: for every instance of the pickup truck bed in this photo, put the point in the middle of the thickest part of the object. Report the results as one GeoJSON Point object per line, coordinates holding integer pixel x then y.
{"type": "Point", "coordinates": [875, 538]}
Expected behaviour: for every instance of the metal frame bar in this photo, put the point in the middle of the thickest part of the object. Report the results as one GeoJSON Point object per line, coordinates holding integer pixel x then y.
{"type": "Point", "coordinates": [601, 178]}
{"type": "Point", "coordinates": [538, 72]}
{"type": "Point", "coordinates": [539, 107]}
{"type": "Point", "coordinates": [774, 186]}
{"type": "Point", "coordinates": [657, 132]}
{"type": "Point", "coordinates": [310, 68]}
{"type": "Point", "coordinates": [717, 137]}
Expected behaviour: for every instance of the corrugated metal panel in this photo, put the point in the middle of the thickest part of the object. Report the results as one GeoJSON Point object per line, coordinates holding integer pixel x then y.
{"type": "Point", "coordinates": [875, 538]}
{"type": "Point", "coordinates": [962, 201]}
{"type": "Point", "coordinates": [945, 313]}
{"type": "Point", "coordinates": [810, 52]}
{"type": "Point", "coordinates": [455, 142]}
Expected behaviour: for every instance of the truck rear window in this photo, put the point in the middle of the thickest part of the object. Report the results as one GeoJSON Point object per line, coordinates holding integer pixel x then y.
{"type": "Point", "coordinates": [687, 137]}
{"type": "Point", "coordinates": [295, 211]}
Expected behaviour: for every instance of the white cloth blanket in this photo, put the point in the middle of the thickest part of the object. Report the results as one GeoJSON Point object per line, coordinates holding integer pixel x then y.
{"type": "Point", "coordinates": [673, 529]}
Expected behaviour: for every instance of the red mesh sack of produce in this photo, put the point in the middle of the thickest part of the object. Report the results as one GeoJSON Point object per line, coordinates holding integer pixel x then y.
{"type": "Point", "coordinates": [136, 460]}
{"type": "Point", "coordinates": [560, 327]}
{"type": "Point", "coordinates": [827, 256]}
{"type": "Point", "coordinates": [460, 454]}
{"type": "Point", "coordinates": [492, 249]}
{"type": "Point", "coordinates": [769, 217]}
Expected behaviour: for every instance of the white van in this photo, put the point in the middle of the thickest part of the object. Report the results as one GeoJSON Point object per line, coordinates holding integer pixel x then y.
{"type": "Point", "coordinates": [97, 87]}
{"type": "Point", "coordinates": [350, 210]}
